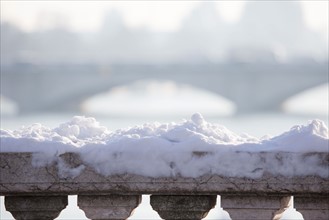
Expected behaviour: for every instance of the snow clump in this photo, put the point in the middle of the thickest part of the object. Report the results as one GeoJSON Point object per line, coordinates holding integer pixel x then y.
{"type": "Point", "coordinates": [190, 148]}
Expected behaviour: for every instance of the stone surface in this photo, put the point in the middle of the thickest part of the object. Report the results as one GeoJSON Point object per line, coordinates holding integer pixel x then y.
{"type": "Point", "coordinates": [108, 206]}
{"type": "Point", "coordinates": [256, 207]}
{"type": "Point", "coordinates": [25, 178]}
{"type": "Point", "coordinates": [313, 207]}
{"type": "Point", "coordinates": [19, 177]}
{"type": "Point", "coordinates": [183, 206]}
{"type": "Point", "coordinates": [35, 207]}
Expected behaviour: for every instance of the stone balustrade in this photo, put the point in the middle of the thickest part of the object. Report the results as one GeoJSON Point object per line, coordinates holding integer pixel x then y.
{"type": "Point", "coordinates": [41, 192]}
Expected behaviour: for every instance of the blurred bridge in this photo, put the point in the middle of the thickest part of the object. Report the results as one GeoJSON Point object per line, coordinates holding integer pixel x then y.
{"type": "Point", "coordinates": [252, 87]}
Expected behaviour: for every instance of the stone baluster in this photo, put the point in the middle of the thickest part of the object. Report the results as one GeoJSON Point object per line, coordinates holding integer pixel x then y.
{"type": "Point", "coordinates": [108, 206]}
{"type": "Point", "coordinates": [35, 207]}
{"type": "Point", "coordinates": [255, 207]}
{"type": "Point", "coordinates": [183, 207]}
{"type": "Point", "coordinates": [316, 207]}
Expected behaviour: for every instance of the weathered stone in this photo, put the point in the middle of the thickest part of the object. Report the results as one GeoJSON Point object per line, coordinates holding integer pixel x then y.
{"type": "Point", "coordinates": [108, 206]}
{"type": "Point", "coordinates": [183, 207]}
{"type": "Point", "coordinates": [35, 207]}
{"type": "Point", "coordinates": [22, 175]}
{"type": "Point", "coordinates": [19, 176]}
{"type": "Point", "coordinates": [254, 207]}
{"type": "Point", "coordinates": [313, 207]}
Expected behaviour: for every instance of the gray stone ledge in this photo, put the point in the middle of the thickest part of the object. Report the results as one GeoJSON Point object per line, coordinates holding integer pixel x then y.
{"type": "Point", "coordinates": [19, 177]}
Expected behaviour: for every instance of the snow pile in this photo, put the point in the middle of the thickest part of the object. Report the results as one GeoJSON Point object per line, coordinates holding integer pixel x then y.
{"type": "Point", "coordinates": [191, 148]}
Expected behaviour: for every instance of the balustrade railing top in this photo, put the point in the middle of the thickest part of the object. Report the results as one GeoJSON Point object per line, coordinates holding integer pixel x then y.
{"type": "Point", "coordinates": [40, 192]}
{"type": "Point", "coordinates": [183, 166]}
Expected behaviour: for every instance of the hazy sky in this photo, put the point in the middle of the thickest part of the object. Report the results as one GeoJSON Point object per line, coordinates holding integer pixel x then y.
{"type": "Point", "coordinates": [157, 15]}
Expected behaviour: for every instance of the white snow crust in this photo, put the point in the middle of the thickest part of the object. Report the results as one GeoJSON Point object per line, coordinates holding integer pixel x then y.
{"type": "Point", "coordinates": [190, 148]}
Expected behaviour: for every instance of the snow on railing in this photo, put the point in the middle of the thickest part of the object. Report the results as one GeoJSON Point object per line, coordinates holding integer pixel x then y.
{"type": "Point", "coordinates": [183, 166]}
{"type": "Point", "coordinates": [41, 192]}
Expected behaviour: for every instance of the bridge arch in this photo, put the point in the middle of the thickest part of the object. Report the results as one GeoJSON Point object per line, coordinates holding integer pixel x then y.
{"type": "Point", "coordinates": [252, 87]}
{"type": "Point", "coordinates": [310, 101]}
{"type": "Point", "coordinates": [8, 106]}
{"type": "Point", "coordinates": [158, 97]}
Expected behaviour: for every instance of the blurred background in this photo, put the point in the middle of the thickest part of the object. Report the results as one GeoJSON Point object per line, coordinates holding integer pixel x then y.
{"type": "Point", "coordinates": [258, 67]}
